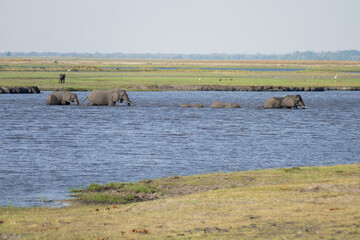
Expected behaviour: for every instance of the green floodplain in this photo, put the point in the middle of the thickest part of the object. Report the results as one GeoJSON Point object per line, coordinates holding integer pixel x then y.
{"type": "Point", "coordinates": [293, 203]}
{"type": "Point", "coordinates": [150, 75]}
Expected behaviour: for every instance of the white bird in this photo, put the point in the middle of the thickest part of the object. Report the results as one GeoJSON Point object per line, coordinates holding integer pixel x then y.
{"type": "Point", "coordinates": [335, 76]}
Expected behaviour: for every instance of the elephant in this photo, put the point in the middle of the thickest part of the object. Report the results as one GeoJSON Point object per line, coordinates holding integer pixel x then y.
{"type": "Point", "coordinates": [62, 78]}
{"type": "Point", "coordinates": [289, 101]}
{"type": "Point", "coordinates": [218, 104]}
{"type": "Point", "coordinates": [188, 105]}
{"type": "Point", "coordinates": [61, 98]}
{"type": "Point", "coordinates": [107, 97]}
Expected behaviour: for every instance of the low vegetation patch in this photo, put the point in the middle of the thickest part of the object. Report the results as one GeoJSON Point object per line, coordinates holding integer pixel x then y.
{"type": "Point", "coordinates": [115, 193]}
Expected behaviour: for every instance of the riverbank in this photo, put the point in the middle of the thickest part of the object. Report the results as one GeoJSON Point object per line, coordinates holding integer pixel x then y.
{"type": "Point", "coordinates": [302, 203]}
{"type": "Point", "coordinates": [21, 90]}
{"type": "Point", "coordinates": [238, 88]}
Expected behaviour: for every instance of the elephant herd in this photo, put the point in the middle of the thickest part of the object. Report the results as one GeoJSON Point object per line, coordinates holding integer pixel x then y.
{"type": "Point", "coordinates": [111, 96]}
{"type": "Point", "coordinates": [289, 101]}
{"type": "Point", "coordinates": [96, 97]}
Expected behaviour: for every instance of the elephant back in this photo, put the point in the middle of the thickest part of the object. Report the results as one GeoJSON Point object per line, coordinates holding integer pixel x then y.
{"type": "Point", "coordinates": [272, 102]}
{"type": "Point", "coordinates": [218, 104]}
{"type": "Point", "coordinates": [98, 97]}
{"type": "Point", "coordinates": [52, 99]}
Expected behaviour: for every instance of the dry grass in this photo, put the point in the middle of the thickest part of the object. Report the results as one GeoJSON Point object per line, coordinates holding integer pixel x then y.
{"type": "Point", "coordinates": [305, 203]}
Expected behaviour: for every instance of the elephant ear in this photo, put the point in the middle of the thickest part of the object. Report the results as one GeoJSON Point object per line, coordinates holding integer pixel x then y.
{"type": "Point", "coordinates": [66, 97]}
{"type": "Point", "coordinates": [114, 96]}
{"type": "Point", "coordinates": [288, 101]}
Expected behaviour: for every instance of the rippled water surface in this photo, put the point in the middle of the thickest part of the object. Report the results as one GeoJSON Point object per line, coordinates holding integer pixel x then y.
{"type": "Point", "coordinates": [45, 150]}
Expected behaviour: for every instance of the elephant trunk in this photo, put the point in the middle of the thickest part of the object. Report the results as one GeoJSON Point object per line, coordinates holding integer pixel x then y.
{"type": "Point", "coordinates": [301, 102]}
{"type": "Point", "coordinates": [76, 100]}
{"type": "Point", "coordinates": [126, 97]}
{"type": "Point", "coordinates": [302, 105]}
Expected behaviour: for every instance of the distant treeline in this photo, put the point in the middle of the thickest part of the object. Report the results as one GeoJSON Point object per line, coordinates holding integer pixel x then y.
{"type": "Point", "coordinates": [346, 55]}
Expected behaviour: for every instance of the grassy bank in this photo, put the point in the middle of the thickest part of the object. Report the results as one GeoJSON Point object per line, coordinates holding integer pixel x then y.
{"type": "Point", "coordinates": [89, 74]}
{"type": "Point", "coordinates": [302, 203]}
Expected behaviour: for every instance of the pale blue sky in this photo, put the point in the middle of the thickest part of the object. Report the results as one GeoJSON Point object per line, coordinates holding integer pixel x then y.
{"type": "Point", "coordinates": [179, 26]}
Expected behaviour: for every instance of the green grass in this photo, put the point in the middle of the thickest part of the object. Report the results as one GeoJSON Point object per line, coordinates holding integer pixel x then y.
{"type": "Point", "coordinates": [113, 192]}
{"type": "Point", "coordinates": [86, 74]}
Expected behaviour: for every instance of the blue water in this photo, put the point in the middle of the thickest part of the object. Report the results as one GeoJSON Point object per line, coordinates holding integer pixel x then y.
{"type": "Point", "coordinates": [257, 69]}
{"type": "Point", "coordinates": [45, 150]}
{"type": "Point", "coordinates": [217, 69]}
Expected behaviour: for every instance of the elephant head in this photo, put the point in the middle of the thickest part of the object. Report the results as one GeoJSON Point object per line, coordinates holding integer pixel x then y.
{"type": "Point", "coordinates": [119, 95]}
{"type": "Point", "coordinates": [293, 101]}
{"type": "Point", "coordinates": [70, 97]}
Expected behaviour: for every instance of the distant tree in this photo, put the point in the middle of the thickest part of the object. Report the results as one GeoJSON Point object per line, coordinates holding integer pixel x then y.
{"type": "Point", "coordinates": [347, 55]}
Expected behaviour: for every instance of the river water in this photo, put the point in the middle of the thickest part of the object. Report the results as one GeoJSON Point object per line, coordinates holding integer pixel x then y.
{"type": "Point", "coordinates": [179, 68]}
{"type": "Point", "coordinates": [45, 150]}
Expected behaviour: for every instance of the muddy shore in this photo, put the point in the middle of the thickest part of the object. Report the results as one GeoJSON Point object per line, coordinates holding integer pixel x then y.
{"type": "Point", "coordinates": [14, 90]}
{"type": "Point", "coordinates": [11, 90]}
{"type": "Point", "coordinates": [238, 88]}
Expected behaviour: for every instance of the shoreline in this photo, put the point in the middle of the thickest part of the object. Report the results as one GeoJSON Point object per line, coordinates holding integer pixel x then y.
{"type": "Point", "coordinates": [167, 191]}
{"type": "Point", "coordinates": [175, 186]}
{"type": "Point", "coordinates": [166, 87]}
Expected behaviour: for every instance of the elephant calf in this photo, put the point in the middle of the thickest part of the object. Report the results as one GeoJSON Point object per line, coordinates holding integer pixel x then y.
{"type": "Point", "coordinates": [218, 104]}
{"type": "Point", "coordinates": [289, 101]}
{"type": "Point", "coordinates": [61, 98]}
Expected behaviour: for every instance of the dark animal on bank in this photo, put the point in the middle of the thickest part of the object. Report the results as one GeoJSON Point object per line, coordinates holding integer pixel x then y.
{"type": "Point", "coordinates": [61, 78]}
{"type": "Point", "coordinates": [19, 90]}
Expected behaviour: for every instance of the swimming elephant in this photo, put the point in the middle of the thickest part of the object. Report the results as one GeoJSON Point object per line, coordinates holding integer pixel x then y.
{"type": "Point", "coordinates": [289, 101]}
{"type": "Point", "coordinates": [61, 98]}
{"type": "Point", "coordinates": [190, 105]}
{"type": "Point", "coordinates": [218, 104]}
{"type": "Point", "coordinates": [107, 97]}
